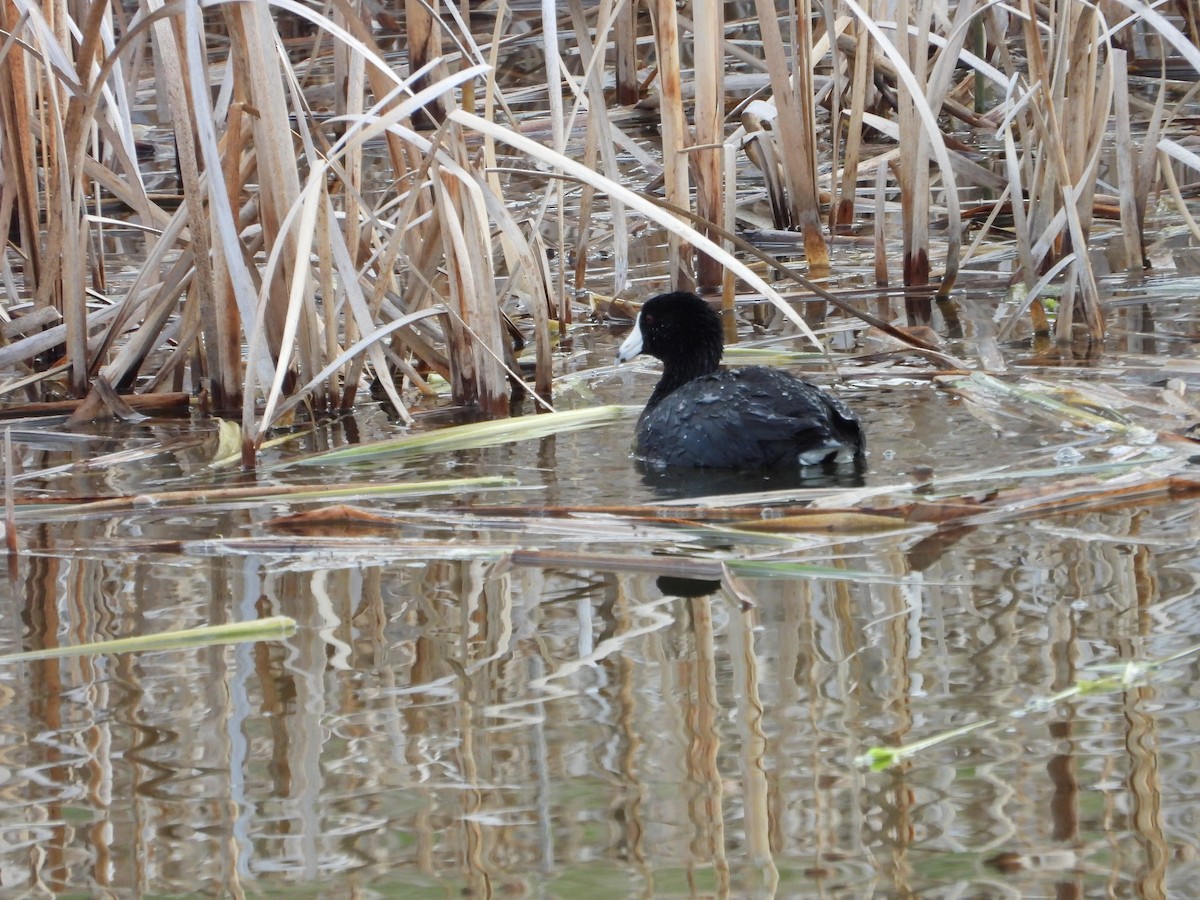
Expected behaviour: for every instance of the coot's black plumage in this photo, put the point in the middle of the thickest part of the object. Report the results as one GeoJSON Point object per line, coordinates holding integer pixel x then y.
{"type": "Point", "coordinates": [748, 418]}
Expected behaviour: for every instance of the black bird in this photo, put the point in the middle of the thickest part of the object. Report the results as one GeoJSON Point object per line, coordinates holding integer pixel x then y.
{"type": "Point", "coordinates": [748, 418]}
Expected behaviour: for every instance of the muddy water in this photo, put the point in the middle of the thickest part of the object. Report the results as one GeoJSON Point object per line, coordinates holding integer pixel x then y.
{"type": "Point", "coordinates": [449, 718]}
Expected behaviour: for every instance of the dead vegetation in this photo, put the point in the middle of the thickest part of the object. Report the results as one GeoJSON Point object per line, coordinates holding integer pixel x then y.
{"type": "Point", "coordinates": [265, 206]}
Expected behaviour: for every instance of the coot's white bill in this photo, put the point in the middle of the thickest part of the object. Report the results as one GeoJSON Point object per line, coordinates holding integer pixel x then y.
{"type": "Point", "coordinates": [632, 345]}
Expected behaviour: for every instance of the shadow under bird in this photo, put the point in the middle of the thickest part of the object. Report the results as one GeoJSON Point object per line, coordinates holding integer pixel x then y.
{"type": "Point", "coordinates": [747, 418]}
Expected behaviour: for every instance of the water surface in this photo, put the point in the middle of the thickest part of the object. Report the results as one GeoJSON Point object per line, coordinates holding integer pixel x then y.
{"type": "Point", "coordinates": [451, 718]}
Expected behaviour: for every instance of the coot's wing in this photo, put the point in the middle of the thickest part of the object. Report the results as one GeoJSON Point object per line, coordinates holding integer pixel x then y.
{"type": "Point", "coordinates": [747, 418]}
{"type": "Point", "coordinates": [811, 404]}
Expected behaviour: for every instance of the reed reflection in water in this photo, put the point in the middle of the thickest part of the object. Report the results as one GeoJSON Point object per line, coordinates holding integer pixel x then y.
{"type": "Point", "coordinates": [473, 725]}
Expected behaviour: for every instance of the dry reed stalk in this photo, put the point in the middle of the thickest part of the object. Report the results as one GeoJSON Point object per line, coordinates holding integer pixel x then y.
{"type": "Point", "coordinates": [223, 322]}
{"type": "Point", "coordinates": [352, 354]}
{"type": "Point", "coordinates": [1169, 149]}
{"type": "Point", "coordinates": [219, 158]}
{"type": "Point", "coordinates": [796, 137]}
{"type": "Point", "coordinates": [670, 221]}
{"type": "Point", "coordinates": [80, 132]}
{"type": "Point", "coordinates": [536, 267]}
{"type": "Point", "coordinates": [1016, 165]}
{"type": "Point", "coordinates": [350, 69]}
{"type": "Point", "coordinates": [1131, 232]}
{"type": "Point", "coordinates": [758, 140]}
{"type": "Point", "coordinates": [426, 231]}
{"type": "Point", "coordinates": [625, 41]}
{"type": "Point", "coordinates": [60, 277]}
{"type": "Point", "coordinates": [526, 257]}
{"type": "Point", "coordinates": [728, 282]}
{"type": "Point", "coordinates": [362, 320]}
{"type": "Point", "coordinates": [18, 100]}
{"type": "Point", "coordinates": [835, 91]}
{"type": "Point", "coordinates": [598, 140]}
{"type": "Point", "coordinates": [937, 90]}
{"type": "Point", "coordinates": [379, 261]}
{"type": "Point", "coordinates": [919, 135]}
{"type": "Point", "coordinates": [319, 333]}
{"type": "Point", "coordinates": [518, 256]}
{"type": "Point", "coordinates": [10, 516]}
{"type": "Point", "coordinates": [1061, 193]}
{"type": "Point", "coordinates": [341, 323]}
{"type": "Point", "coordinates": [424, 225]}
{"type": "Point", "coordinates": [881, 267]}
{"type": "Point", "coordinates": [842, 211]}
{"type": "Point", "coordinates": [558, 137]}
{"type": "Point", "coordinates": [1144, 161]}
{"type": "Point", "coordinates": [913, 164]}
{"type": "Point", "coordinates": [544, 283]}
{"type": "Point", "coordinates": [475, 348]}
{"type": "Point", "coordinates": [467, 99]}
{"type": "Point", "coordinates": [253, 49]}
{"type": "Point", "coordinates": [186, 85]}
{"type": "Point", "coordinates": [93, 90]}
{"type": "Point", "coordinates": [675, 141]}
{"type": "Point", "coordinates": [423, 37]}
{"type": "Point", "coordinates": [594, 91]}
{"type": "Point", "coordinates": [709, 116]}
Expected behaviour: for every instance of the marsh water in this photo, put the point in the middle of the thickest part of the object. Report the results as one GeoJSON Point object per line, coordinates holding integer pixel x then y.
{"type": "Point", "coordinates": [493, 691]}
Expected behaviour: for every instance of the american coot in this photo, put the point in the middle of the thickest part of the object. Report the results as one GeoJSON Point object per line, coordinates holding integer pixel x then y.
{"type": "Point", "coordinates": [749, 418]}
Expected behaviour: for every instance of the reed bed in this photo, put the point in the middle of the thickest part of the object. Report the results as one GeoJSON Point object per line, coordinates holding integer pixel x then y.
{"type": "Point", "coordinates": [267, 206]}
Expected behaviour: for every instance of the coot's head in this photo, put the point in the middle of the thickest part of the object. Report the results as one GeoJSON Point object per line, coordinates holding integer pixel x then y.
{"type": "Point", "coordinates": [680, 329]}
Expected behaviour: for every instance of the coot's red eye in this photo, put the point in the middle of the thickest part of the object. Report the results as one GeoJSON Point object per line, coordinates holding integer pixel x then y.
{"type": "Point", "coordinates": [647, 320]}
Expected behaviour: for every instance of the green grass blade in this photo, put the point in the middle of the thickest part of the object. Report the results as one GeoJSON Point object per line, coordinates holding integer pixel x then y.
{"type": "Point", "coordinates": [274, 628]}
{"type": "Point", "coordinates": [474, 435]}
{"type": "Point", "coordinates": [1109, 678]}
{"type": "Point", "coordinates": [879, 758]}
